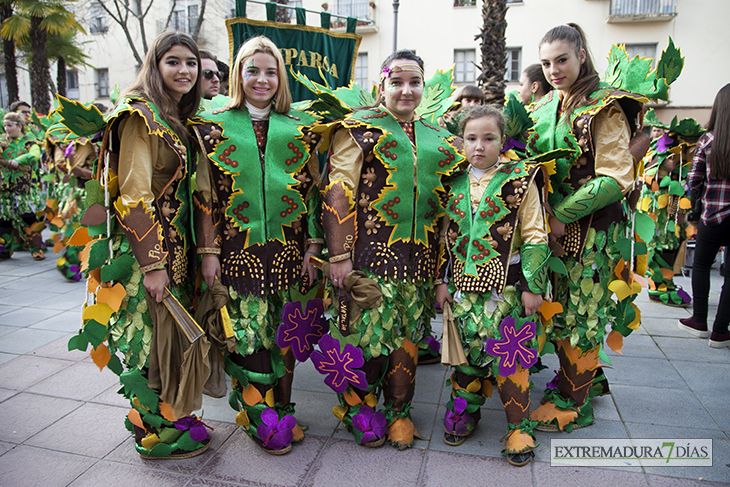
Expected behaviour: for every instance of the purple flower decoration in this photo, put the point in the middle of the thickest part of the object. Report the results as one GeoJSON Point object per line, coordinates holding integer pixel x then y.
{"type": "Point", "coordinates": [457, 421]}
{"type": "Point", "coordinates": [372, 425]}
{"type": "Point", "coordinates": [553, 384]}
{"type": "Point", "coordinates": [194, 425]}
{"type": "Point", "coordinates": [76, 272]}
{"type": "Point", "coordinates": [69, 150]}
{"type": "Point", "coordinates": [512, 346]}
{"type": "Point", "coordinates": [276, 434]}
{"type": "Point", "coordinates": [433, 343]}
{"type": "Point", "coordinates": [301, 332]}
{"type": "Point", "coordinates": [339, 366]}
{"type": "Point", "coordinates": [385, 73]}
{"type": "Point", "coordinates": [512, 144]}
{"type": "Point", "coordinates": [683, 294]}
{"type": "Point", "coordinates": [664, 143]}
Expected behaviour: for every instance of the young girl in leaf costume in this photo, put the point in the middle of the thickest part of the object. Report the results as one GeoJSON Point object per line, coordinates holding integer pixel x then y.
{"type": "Point", "coordinates": [143, 252]}
{"type": "Point", "coordinates": [587, 224]}
{"type": "Point", "coordinates": [381, 213]}
{"type": "Point", "coordinates": [20, 196]}
{"type": "Point", "coordinates": [257, 215]}
{"type": "Point", "coordinates": [498, 250]}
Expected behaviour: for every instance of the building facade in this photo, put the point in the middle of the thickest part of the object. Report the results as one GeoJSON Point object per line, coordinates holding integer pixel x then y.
{"type": "Point", "coordinates": [440, 31]}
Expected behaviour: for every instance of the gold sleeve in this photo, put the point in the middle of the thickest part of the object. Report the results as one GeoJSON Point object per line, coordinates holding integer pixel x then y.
{"type": "Point", "coordinates": [611, 143]}
{"type": "Point", "coordinates": [530, 215]}
{"type": "Point", "coordinates": [346, 160]}
{"type": "Point", "coordinates": [136, 153]}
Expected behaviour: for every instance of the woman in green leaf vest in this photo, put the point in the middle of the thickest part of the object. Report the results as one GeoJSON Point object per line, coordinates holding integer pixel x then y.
{"type": "Point", "coordinates": [257, 227]}
{"type": "Point", "coordinates": [381, 212]}
{"type": "Point", "coordinates": [586, 220]}
{"type": "Point", "coordinates": [138, 220]}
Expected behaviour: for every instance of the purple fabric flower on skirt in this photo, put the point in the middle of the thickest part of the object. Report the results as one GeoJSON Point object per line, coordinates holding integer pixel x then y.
{"type": "Point", "coordinates": [339, 366]}
{"type": "Point", "coordinates": [275, 433]}
{"type": "Point", "coordinates": [433, 343]}
{"type": "Point", "coordinates": [553, 384]}
{"type": "Point", "coordinates": [457, 421]}
{"type": "Point", "coordinates": [372, 425]}
{"type": "Point", "coordinates": [512, 346]}
{"type": "Point", "coordinates": [301, 331]}
{"type": "Point", "coordinates": [194, 425]}
{"type": "Point", "coordinates": [76, 272]}
{"type": "Point", "coordinates": [683, 294]}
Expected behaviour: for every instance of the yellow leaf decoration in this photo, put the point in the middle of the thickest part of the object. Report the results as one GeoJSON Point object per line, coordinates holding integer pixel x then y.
{"type": "Point", "coordinates": [97, 312]}
{"type": "Point", "coordinates": [685, 203]}
{"type": "Point", "coordinates": [620, 288]}
{"type": "Point", "coordinates": [634, 325]}
{"type": "Point", "coordinates": [339, 412]}
{"type": "Point", "coordinates": [149, 441]}
{"type": "Point", "coordinates": [662, 200]}
{"type": "Point", "coordinates": [371, 400]}
{"type": "Point", "coordinates": [645, 204]}
{"type": "Point", "coordinates": [242, 419]}
{"type": "Point", "coordinates": [270, 398]}
{"type": "Point", "coordinates": [474, 386]}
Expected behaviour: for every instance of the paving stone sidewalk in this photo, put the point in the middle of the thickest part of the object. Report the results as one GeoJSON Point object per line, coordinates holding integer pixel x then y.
{"type": "Point", "coordinates": [61, 421]}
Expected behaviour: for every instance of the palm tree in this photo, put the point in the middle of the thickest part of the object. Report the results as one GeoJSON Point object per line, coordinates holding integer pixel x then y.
{"type": "Point", "coordinates": [32, 22]}
{"type": "Point", "coordinates": [63, 49]}
{"type": "Point", "coordinates": [493, 50]}
{"type": "Point", "coordinates": [11, 67]}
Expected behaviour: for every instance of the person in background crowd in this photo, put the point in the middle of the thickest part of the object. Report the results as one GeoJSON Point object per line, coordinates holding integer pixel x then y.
{"type": "Point", "coordinates": [710, 179]}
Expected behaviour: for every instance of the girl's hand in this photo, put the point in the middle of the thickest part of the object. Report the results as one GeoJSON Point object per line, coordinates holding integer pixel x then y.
{"type": "Point", "coordinates": [338, 272]}
{"type": "Point", "coordinates": [557, 228]}
{"type": "Point", "coordinates": [210, 267]}
{"type": "Point", "coordinates": [308, 268]}
{"type": "Point", "coordinates": [154, 282]}
{"type": "Point", "coordinates": [530, 302]}
{"type": "Point", "coordinates": [443, 295]}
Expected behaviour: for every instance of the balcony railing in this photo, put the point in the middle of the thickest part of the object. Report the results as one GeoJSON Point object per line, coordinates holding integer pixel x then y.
{"type": "Point", "coordinates": [642, 10]}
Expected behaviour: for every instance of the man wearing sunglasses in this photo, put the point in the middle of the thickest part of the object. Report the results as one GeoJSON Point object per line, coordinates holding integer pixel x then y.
{"type": "Point", "coordinates": [211, 75]}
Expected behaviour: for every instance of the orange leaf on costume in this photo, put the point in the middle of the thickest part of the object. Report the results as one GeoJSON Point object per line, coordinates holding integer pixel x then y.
{"type": "Point", "coordinates": [93, 281]}
{"type": "Point", "coordinates": [58, 246]}
{"type": "Point", "coordinates": [166, 412]}
{"type": "Point", "coordinates": [351, 398]}
{"type": "Point", "coordinates": [668, 274]}
{"type": "Point", "coordinates": [100, 355]}
{"type": "Point", "coordinates": [80, 237]}
{"type": "Point", "coordinates": [112, 296]}
{"type": "Point", "coordinates": [615, 340]}
{"type": "Point", "coordinates": [251, 395]}
{"type": "Point", "coordinates": [654, 186]}
{"type": "Point", "coordinates": [548, 412]}
{"type": "Point", "coordinates": [620, 265]}
{"type": "Point", "coordinates": [685, 203]}
{"type": "Point", "coordinates": [548, 309]}
{"type": "Point", "coordinates": [136, 419]}
{"type": "Point", "coordinates": [691, 231]}
{"type": "Point", "coordinates": [640, 280]}
{"type": "Point", "coordinates": [57, 222]}
{"type": "Point", "coordinates": [648, 178]}
{"type": "Point", "coordinates": [84, 255]}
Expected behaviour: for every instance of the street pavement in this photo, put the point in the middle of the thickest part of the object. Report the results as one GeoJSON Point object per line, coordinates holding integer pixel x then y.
{"type": "Point", "coordinates": [61, 420]}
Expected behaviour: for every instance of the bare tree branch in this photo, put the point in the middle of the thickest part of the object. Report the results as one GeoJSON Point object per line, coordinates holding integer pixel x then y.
{"type": "Point", "coordinates": [199, 22]}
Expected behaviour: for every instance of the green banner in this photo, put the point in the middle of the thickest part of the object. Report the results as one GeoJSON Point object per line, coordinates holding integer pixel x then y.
{"type": "Point", "coordinates": [309, 50]}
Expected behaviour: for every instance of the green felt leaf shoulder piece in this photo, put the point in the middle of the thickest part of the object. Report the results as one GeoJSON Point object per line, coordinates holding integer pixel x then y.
{"type": "Point", "coordinates": [81, 120]}
{"type": "Point", "coordinates": [333, 104]}
{"type": "Point", "coordinates": [637, 76]}
{"type": "Point", "coordinates": [651, 120]}
{"type": "Point", "coordinates": [436, 93]}
{"type": "Point", "coordinates": [516, 117]}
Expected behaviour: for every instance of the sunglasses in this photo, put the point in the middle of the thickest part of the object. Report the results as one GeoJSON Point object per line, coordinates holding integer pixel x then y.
{"type": "Point", "coordinates": [209, 73]}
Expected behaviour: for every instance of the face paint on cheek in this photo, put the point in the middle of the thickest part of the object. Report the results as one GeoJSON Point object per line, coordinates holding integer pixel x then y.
{"type": "Point", "coordinates": [248, 69]}
{"type": "Point", "coordinates": [390, 89]}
